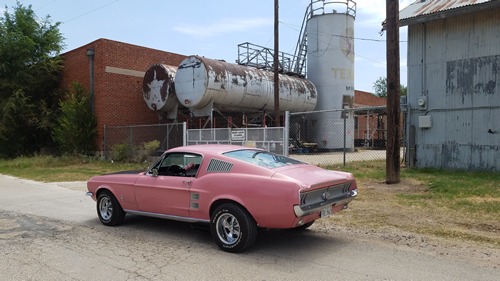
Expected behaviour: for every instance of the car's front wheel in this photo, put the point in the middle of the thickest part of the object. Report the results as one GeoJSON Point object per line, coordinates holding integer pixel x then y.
{"type": "Point", "coordinates": [233, 228]}
{"type": "Point", "coordinates": [108, 209]}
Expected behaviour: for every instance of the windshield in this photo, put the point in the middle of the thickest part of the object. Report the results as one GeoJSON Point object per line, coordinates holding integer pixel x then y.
{"type": "Point", "coordinates": [262, 158]}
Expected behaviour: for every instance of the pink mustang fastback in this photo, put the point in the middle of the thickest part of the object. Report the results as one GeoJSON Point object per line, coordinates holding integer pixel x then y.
{"type": "Point", "coordinates": [234, 189]}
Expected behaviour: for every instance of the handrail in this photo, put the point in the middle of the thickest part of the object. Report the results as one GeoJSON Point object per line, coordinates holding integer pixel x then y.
{"type": "Point", "coordinates": [249, 54]}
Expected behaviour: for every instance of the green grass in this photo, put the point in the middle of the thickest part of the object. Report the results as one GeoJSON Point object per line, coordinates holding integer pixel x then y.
{"type": "Point", "coordinates": [459, 190]}
{"type": "Point", "coordinates": [373, 170]}
{"type": "Point", "coordinates": [56, 169]}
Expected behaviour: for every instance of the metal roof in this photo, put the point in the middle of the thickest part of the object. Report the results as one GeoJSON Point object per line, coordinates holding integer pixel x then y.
{"type": "Point", "coordinates": [426, 10]}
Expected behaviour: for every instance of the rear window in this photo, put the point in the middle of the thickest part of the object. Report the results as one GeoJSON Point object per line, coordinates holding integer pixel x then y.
{"type": "Point", "coordinates": [262, 158]}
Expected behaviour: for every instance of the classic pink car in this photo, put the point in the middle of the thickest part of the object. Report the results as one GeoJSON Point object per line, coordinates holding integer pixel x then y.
{"type": "Point", "coordinates": [233, 189]}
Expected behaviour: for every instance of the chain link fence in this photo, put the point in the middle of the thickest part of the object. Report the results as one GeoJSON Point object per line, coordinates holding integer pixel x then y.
{"type": "Point", "coordinates": [133, 138]}
{"type": "Point", "coordinates": [340, 136]}
{"type": "Point", "coordinates": [318, 137]}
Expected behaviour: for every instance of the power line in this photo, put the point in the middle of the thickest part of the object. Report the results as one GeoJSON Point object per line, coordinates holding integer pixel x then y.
{"type": "Point", "coordinates": [291, 26]}
{"type": "Point", "coordinates": [91, 11]}
{"type": "Point", "coordinates": [343, 36]}
{"type": "Point", "coordinates": [49, 3]}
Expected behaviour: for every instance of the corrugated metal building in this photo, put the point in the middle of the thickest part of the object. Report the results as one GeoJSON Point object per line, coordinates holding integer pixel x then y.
{"type": "Point", "coordinates": [454, 83]}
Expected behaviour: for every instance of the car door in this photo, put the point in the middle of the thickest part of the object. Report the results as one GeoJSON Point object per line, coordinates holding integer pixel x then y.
{"type": "Point", "coordinates": [164, 189]}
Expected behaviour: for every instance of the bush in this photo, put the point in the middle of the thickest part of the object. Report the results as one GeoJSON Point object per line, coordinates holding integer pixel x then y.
{"type": "Point", "coordinates": [125, 152]}
{"type": "Point", "coordinates": [122, 152]}
{"type": "Point", "coordinates": [151, 147]}
{"type": "Point", "coordinates": [76, 128]}
{"type": "Point", "coordinates": [147, 149]}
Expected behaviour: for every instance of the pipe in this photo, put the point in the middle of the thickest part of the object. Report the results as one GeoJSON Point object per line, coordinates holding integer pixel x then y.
{"type": "Point", "coordinates": [91, 54]}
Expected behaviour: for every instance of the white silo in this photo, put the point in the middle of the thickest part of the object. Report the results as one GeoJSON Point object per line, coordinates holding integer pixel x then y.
{"type": "Point", "coordinates": [330, 66]}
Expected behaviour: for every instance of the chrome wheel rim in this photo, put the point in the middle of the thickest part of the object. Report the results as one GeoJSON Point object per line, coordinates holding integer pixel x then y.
{"type": "Point", "coordinates": [228, 229]}
{"type": "Point", "coordinates": [106, 208]}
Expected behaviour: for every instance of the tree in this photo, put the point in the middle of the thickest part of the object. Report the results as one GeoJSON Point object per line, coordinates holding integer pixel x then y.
{"type": "Point", "coordinates": [12, 123]}
{"type": "Point", "coordinates": [76, 127]}
{"type": "Point", "coordinates": [380, 88]}
{"type": "Point", "coordinates": [29, 70]}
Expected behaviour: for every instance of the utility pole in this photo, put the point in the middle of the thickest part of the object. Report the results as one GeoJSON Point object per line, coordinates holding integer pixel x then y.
{"type": "Point", "coordinates": [392, 165]}
{"type": "Point", "coordinates": [276, 66]}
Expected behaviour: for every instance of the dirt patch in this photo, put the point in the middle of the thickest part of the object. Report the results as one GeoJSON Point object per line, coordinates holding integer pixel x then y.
{"type": "Point", "coordinates": [478, 253]}
{"type": "Point", "coordinates": [381, 213]}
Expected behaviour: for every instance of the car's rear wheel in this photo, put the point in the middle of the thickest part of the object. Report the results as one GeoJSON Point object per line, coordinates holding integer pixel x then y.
{"type": "Point", "coordinates": [108, 209]}
{"type": "Point", "coordinates": [233, 228]}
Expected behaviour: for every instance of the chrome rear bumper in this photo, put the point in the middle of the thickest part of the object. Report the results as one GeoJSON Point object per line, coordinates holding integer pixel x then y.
{"type": "Point", "coordinates": [334, 201]}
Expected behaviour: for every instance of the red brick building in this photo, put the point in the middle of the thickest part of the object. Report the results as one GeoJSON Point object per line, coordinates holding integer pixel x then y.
{"type": "Point", "coordinates": [118, 71]}
{"type": "Point", "coordinates": [365, 99]}
{"type": "Point", "coordinates": [369, 125]}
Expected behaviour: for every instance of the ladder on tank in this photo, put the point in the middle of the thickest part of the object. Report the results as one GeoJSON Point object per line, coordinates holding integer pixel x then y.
{"type": "Point", "coordinates": [300, 55]}
{"type": "Point", "coordinates": [316, 7]}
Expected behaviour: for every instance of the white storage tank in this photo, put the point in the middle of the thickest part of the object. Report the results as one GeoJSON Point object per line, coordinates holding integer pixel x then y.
{"type": "Point", "coordinates": [330, 66]}
{"type": "Point", "coordinates": [203, 84]}
{"type": "Point", "coordinates": [158, 88]}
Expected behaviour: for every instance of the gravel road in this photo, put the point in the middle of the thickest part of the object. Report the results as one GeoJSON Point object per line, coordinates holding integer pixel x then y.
{"type": "Point", "coordinates": [51, 232]}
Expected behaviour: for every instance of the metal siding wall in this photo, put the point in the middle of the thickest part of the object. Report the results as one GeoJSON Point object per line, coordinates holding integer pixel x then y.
{"type": "Point", "coordinates": [462, 85]}
{"type": "Point", "coordinates": [415, 57]}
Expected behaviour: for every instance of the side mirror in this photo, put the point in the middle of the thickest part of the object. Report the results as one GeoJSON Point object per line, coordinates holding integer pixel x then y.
{"type": "Point", "coordinates": [155, 172]}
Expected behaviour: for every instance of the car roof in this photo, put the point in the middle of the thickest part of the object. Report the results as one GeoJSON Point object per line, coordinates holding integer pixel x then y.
{"type": "Point", "coordinates": [210, 148]}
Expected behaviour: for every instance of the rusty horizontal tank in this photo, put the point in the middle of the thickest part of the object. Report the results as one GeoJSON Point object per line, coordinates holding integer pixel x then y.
{"type": "Point", "coordinates": [158, 88]}
{"type": "Point", "coordinates": [202, 84]}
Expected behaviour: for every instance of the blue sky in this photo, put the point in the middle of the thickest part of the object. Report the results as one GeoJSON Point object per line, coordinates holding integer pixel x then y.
{"type": "Point", "coordinates": [214, 28]}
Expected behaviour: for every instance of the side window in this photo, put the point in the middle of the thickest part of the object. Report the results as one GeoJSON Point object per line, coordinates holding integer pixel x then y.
{"type": "Point", "coordinates": [179, 164]}
{"type": "Point", "coordinates": [192, 163]}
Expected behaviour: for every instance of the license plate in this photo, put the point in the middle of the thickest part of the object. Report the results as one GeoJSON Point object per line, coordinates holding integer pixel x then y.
{"type": "Point", "coordinates": [326, 212]}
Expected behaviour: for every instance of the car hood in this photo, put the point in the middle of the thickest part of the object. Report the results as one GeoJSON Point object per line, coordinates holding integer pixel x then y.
{"type": "Point", "coordinates": [118, 177]}
{"type": "Point", "coordinates": [127, 172]}
{"type": "Point", "coordinates": [310, 176]}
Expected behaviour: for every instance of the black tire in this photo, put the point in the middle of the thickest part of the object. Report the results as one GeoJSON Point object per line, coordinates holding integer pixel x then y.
{"type": "Point", "coordinates": [232, 228]}
{"type": "Point", "coordinates": [109, 211]}
{"type": "Point", "coordinates": [304, 226]}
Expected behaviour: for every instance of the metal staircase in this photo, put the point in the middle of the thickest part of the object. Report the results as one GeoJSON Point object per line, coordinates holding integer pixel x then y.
{"type": "Point", "coordinates": [296, 64]}
{"type": "Point", "coordinates": [300, 55]}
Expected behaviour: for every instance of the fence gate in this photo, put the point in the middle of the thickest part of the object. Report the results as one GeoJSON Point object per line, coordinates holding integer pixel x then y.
{"type": "Point", "coordinates": [271, 139]}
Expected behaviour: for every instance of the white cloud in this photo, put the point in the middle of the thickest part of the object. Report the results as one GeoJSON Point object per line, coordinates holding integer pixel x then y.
{"type": "Point", "coordinates": [223, 26]}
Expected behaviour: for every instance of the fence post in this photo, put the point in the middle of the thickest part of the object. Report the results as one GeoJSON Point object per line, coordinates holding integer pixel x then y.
{"type": "Point", "coordinates": [286, 133]}
{"type": "Point", "coordinates": [131, 148]}
{"type": "Point", "coordinates": [345, 129]}
{"type": "Point", "coordinates": [184, 134]}
{"type": "Point", "coordinates": [105, 144]}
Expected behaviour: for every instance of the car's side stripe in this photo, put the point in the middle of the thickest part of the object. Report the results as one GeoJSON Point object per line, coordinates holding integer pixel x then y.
{"type": "Point", "coordinates": [162, 216]}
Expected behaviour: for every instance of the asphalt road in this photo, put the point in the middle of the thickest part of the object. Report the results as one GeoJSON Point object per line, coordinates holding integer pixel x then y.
{"type": "Point", "coordinates": [49, 232]}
